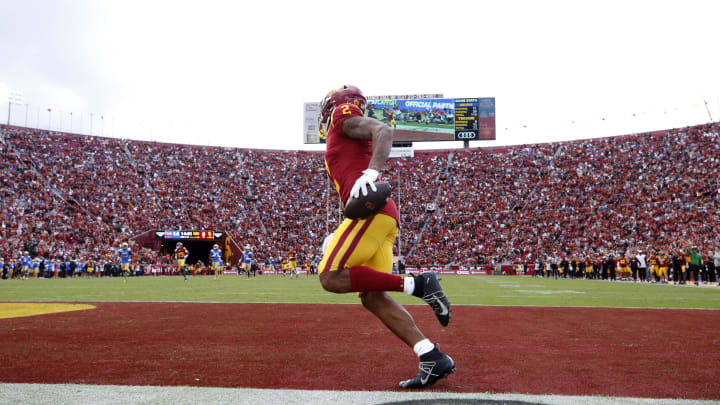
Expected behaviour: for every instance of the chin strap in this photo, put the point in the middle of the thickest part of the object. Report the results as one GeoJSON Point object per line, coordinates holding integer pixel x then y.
{"type": "Point", "coordinates": [326, 124]}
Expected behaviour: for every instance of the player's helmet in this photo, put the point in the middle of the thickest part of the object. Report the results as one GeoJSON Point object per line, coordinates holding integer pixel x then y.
{"type": "Point", "coordinates": [26, 253]}
{"type": "Point", "coordinates": [345, 94]}
{"type": "Point", "coordinates": [178, 245]}
{"type": "Point", "coordinates": [124, 245]}
{"type": "Point", "coordinates": [215, 246]}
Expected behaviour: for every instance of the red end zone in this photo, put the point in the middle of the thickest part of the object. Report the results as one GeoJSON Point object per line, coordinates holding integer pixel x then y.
{"type": "Point", "coordinates": [565, 351]}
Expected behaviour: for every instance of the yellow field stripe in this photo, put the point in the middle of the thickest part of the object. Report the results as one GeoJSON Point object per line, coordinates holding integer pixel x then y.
{"type": "Point", "coordinates": [21, 309]}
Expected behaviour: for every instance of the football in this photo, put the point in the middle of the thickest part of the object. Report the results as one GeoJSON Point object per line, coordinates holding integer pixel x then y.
{"type": "Point", "coordinates": [365, 206]}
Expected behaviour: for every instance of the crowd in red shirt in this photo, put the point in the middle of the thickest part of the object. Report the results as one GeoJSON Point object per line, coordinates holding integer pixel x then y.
{"type": "Point", "coordinates": [81, 196]}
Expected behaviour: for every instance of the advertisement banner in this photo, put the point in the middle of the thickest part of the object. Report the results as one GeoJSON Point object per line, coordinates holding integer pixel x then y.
{"type": "Point", "coordinates": [486, 119]}
{"type": "Point", "coordinates": [311, 134]}
{"type": "Point", "coordinates": [484, 270]}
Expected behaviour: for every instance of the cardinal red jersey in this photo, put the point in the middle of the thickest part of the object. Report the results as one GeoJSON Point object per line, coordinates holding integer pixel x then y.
{"type": "Point", "coordinates": [346, 158]}
{"type": "Point", "coordinates": [181, 253]}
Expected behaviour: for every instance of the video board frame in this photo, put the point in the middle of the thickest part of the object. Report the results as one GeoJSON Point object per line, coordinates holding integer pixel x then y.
{"type": "Point", "coordinates": [422, 119]}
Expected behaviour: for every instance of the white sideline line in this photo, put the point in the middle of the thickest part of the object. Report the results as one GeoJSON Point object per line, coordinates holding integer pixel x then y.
{"type": "Point", "coordinates": [118, 394]}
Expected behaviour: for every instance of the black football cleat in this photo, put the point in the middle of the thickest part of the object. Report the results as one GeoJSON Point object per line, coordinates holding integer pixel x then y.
{"type": "Point", "coordinates": [427, 287]}
{"type": "Point", "coordinates": [434, 366]}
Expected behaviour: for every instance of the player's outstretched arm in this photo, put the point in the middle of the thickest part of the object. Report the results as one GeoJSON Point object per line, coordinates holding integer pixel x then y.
{"type": "Point", "coordinates": [369, 129]}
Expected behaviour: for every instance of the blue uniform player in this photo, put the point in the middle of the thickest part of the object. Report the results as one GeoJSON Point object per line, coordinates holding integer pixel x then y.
{"type": "Point", "coordinates": [35, 268]}
{"type": "Point", "coordinates": [124, 255]}
{"type": "Point", "coordinates": [25, 263]}
{"type": "Point", "coordinates": [247, 260]}
{"type": "Point", "coordinates": [216, 260]}
{"type": "Point", "coordinates": [79, 268]}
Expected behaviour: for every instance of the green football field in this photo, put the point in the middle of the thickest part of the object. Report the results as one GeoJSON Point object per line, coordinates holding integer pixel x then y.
{"type": "Point", "coordinates": [465, 290]}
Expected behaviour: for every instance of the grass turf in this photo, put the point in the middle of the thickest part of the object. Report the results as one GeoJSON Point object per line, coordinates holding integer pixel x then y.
{"type": "Point", "coordinates": [467, 290]}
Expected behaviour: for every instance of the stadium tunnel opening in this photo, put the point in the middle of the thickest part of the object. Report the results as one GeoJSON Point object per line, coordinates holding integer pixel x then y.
{"type": "Point", "coordinates": [197, 249]}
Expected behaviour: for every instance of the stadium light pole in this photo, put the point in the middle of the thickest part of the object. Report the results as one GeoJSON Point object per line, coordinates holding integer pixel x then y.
{"type": "Point", "coordinates": [399, 205]}
{"type": "Point", "coordinates": [327, 205]}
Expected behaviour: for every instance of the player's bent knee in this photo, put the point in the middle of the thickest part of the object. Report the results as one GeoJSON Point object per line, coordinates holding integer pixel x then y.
{"type": "Point", "coordinates": [327, 282]}
{"type": "Point", "coordinates": [331, 281]}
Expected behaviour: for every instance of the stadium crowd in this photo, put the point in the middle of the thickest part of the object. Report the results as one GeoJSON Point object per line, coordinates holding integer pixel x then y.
{"type": "Point", "coordinates": [74, 197]}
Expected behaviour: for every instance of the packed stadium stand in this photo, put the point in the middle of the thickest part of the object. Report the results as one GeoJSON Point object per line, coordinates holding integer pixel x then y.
{"type": "Point", "coordinates": [81, 196]}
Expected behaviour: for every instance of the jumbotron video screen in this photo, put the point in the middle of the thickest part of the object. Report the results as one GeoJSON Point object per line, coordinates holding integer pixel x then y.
{"type": "Point", "coordinates": [421, 119]}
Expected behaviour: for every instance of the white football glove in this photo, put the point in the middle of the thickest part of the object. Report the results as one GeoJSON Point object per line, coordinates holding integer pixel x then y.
{"type": "Point", "coordinates": [368, 178]}
{"type": "Point", "coordinates": [326, 242]}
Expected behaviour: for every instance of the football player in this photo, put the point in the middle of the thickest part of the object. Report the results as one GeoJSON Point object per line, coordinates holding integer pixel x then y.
{"type": "Point", "coordinates": [181, 254]}
{"type": "Point", "coordinates": [247, 260]}
{"type": "Point", "coordinates": [124, 254]}
{"type": "Point", "coordinates": [359, 256]}
{"type": "Point", "coordinates": [589, 270]}
{"type": "Point", "coordinates": [89, 267]}
{"type": "Point", "coordinates": [654, 268]}
{"type": "Point", "coordinates": [664, 260]}
{"type": "Point", "coordinates": [25, 265]}
{"type": "Point", "coordinates": [292, 264]}
{"type": "Point", "coordinates": [35, 267]}
{"type": "Point", "coordinates": [391, 119]}
{"type": "Point", "coordinates": [198, 268]}
{"type": "Point", "coordinates": [216, 260]}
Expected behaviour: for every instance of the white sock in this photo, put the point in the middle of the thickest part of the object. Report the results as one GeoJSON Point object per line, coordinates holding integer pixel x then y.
{"type": "Point", "coordinates": [409, 285]}
{"type": "Point", "coordinates": [423, 346]}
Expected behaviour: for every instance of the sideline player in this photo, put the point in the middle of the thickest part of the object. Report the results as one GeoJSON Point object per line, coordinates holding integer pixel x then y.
{"type": "Point", "coordinates": [292, 264]}
{"type": "Point", "coordinates": [359, 255]}
{"type": "Point", "coordinates": [247, 260]}
{"type": "Point", "coordinates": [124, 255]}
{"type": "Point", "coordinates": [181, 254]}
{"type": "Point", "coordinates": [216, 260]}
{"type": "Point", "coordinates": [25, 261]}
{"type": "Point", "coordinates": [35, 268]}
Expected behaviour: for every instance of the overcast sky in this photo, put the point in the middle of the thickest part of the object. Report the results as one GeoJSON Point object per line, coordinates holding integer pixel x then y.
{"type": "Point", "coordinates": [237, 73]}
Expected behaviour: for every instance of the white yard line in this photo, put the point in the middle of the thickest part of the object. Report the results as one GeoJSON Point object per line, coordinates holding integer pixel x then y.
{"type": "Point", "coordinates": [118, 394]}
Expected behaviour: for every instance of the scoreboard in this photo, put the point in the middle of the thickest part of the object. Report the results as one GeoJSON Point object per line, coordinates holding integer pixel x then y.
{"type": "Point", "coordinates": [466, 119]}
{"type": "Point", "coordinates": [189, 235]}
{"type": "Point", "coordinates": [418, 119]}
